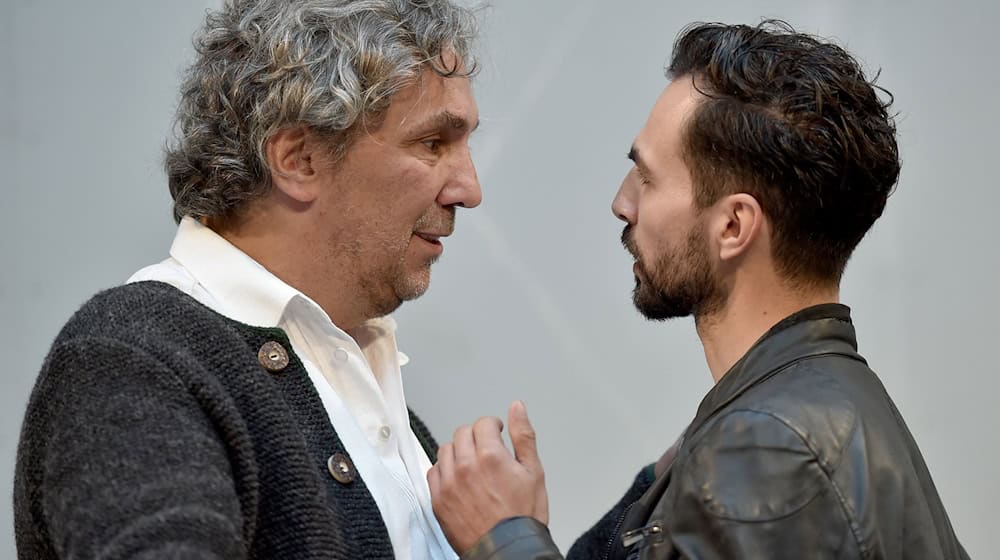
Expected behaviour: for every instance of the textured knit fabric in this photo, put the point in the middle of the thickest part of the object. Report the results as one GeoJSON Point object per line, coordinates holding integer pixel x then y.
{"type": "Point", "coordinates": [357, 375]}
{"type": "Point", "coordinates": [600, 538]}
{"type": "Point", "coordinates": [155, 432]}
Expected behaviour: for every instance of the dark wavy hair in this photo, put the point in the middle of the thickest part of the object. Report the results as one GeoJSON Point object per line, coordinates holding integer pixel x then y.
{"type": "Point", "coordinates": [791, 120]}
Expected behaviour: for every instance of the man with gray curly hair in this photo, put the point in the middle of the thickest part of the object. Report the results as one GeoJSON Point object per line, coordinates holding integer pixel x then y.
{"type": "Point", "coordinates": [243, 398]}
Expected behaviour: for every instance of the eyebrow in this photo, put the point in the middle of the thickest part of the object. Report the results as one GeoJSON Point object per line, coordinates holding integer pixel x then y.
{"type": "Point", "coordinates": [446, 119]}
{"type": "Point", "coordinates": [633, 154]}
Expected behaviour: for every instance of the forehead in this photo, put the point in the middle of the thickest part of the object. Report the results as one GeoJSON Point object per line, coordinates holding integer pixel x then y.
{"type": "Point", "coordinates": [661, 135]}
{"type": "Point", "coordinates": [429, 95]}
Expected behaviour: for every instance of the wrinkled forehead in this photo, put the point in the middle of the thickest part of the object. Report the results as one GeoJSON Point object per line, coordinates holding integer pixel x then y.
{"type": "Point", "coordinates": [434, 95]}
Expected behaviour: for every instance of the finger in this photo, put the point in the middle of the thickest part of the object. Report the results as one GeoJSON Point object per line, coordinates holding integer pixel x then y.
{"type": "Point", "coordinates": [489, 441]}
{"type": "Point", "coordinates": [434, 482]}
{"type": "Point", "coordinates": [446, 464]}
{"type": "Point", "coordinates": [464, 447]}
{"type": "Point", "coordinates": [486, 431]}
{"type": "Point", "coordinates": [522, 436]}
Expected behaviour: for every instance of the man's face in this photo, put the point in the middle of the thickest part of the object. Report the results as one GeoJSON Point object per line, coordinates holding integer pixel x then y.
{"type": "Point", "coordinates": [675, 275]}
{"type": "Point", "coordinates": [393, 195]}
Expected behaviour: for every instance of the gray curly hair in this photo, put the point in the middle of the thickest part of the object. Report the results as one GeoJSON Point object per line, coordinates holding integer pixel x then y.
{"type": "Point", "coordinates": [330, 65]}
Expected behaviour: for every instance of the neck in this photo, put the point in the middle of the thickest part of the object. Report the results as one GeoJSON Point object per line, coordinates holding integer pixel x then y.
{"type": "Point", "coordinates": [282, 249]}
{"type": "Point", "coordinates": [749, 312]}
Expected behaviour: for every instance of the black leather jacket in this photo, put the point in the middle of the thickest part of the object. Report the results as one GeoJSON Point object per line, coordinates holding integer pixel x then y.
{"type": "Point", "coordinates": [797, 452]}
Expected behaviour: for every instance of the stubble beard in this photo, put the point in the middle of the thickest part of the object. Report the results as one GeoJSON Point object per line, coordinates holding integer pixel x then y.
{"type": "Point", "coordinates": [409, 285]}
{"type": "Point", "coordinates": [405, 283]}
{"type": "Point", "coordinates": [387, 288]}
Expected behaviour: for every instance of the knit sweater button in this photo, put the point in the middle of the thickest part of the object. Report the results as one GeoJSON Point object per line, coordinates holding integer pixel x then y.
{"type": "Point", "coordinates": [341, 468]}
{"type": "Point", "coordinates": [273, 357]}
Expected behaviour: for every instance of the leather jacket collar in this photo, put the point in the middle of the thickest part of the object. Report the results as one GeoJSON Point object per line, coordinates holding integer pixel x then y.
{"type": "Point", "coordinates": [814, 331]}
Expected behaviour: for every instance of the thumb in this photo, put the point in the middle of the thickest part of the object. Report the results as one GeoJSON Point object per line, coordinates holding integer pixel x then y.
{"type": "Point", "coordinates": [522, 435]}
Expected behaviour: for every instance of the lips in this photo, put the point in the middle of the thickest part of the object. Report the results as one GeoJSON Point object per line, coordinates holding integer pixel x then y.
{"type": "Point", "coordinates": [430, 237]}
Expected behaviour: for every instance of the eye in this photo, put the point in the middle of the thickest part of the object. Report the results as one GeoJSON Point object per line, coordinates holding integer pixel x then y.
{"type": "Point", "coordinates": [433, 144]}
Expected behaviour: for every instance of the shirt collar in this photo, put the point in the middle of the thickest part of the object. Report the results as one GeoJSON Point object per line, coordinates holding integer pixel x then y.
{"type": "Point", "coordinates": [246, 291]}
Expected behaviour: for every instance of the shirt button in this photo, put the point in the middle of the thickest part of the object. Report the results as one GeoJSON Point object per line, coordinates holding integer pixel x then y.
{"type": "Point", "coordinates": [341, 468]}
{"type": "Point", "coordinates": [385, 432]}
{"type": "Point", "coordinates": [273, 357]}
{"type": "Point", "coordinates": [340, 355]}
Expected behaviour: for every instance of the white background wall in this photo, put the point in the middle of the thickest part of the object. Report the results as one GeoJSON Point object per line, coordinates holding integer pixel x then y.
{"type": "Point", "coordinates": [531, 299]}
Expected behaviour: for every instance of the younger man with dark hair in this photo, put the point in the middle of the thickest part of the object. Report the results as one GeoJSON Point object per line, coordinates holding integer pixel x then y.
{"type": "Point", "coordinates": [762, 166]}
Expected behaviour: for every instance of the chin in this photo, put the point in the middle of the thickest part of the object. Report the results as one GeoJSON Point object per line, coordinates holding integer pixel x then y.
{"type": "Point", "coordinates": [413, 285]}
{"type": "Point", "coordinates": [659, 306]}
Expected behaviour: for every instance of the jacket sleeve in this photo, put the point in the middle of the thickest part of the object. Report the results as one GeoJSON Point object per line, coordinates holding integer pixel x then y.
{"type": "Point", "coordinates": [753, 488]}
{"type": "Point", "coordinates": [517, 538]}
{"type": "Point", "coordinates": [525, 538]}
{"type": "Point", "coordinates": [119, 460]}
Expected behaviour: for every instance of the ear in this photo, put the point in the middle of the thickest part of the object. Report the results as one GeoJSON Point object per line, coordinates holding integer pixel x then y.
{"type": "Point", "coordinates": [741, 221]}
{"type": "Point", "coordinates": [294, 157]}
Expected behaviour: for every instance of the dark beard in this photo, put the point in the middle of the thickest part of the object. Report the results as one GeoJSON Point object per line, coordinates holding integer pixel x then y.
{"type": "Point", "coordinates": [681, 283]}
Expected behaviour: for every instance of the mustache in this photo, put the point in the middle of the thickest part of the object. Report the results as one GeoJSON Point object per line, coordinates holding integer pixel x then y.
{"type": "Point", "coordinates": [443, 221]}
{"type": "Point", "coordinates": [628, 241]}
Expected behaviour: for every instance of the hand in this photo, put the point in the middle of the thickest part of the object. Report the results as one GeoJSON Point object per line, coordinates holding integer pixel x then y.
{"type": "Point", "coordinates": [477, 483]}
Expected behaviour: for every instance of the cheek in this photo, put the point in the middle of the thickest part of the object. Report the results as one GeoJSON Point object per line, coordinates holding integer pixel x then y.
{"type": "Point", "coordinates": [413, 195]}
{"type": "Point", "coordinates": [652, 246]}
{"type": "Point", "coordinates": [653, 231]}
{"type": "Point", "coordinates": [665, 220]}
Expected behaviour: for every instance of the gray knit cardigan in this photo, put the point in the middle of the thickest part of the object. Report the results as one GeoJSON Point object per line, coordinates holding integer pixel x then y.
{"type": "Point", "coordinates": [154, 431]}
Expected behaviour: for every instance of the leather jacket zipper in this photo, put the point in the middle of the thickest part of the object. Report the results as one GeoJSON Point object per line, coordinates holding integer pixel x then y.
{"type": "Point", "coordinates": [636, 536]}
{"type": "Point", "coordinates": [614, 534]}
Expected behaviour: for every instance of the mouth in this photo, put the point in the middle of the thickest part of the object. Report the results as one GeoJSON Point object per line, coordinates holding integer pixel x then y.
{"type": "Point", "coordinates": [430, 237]}
{"type": "Point", "coordinates": [433, 239]}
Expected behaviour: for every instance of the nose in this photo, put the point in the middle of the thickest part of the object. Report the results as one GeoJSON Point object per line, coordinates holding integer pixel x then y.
{"type": "Point", "coordinates": [462, 187]}
{"type": "Point", "coordinates": [623, 206]}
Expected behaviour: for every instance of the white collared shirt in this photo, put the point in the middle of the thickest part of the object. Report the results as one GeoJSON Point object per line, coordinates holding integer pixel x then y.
{"type": "Point", "coordinates": [358, 380]}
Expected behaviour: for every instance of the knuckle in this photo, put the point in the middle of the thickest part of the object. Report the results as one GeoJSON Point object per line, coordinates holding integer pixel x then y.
{"type": "Point", "coordinates": [449, 493]}
{"type": "Point", "coordinates": [464, 468]}
{"type": "Point", "coordinates": [491, 457]}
